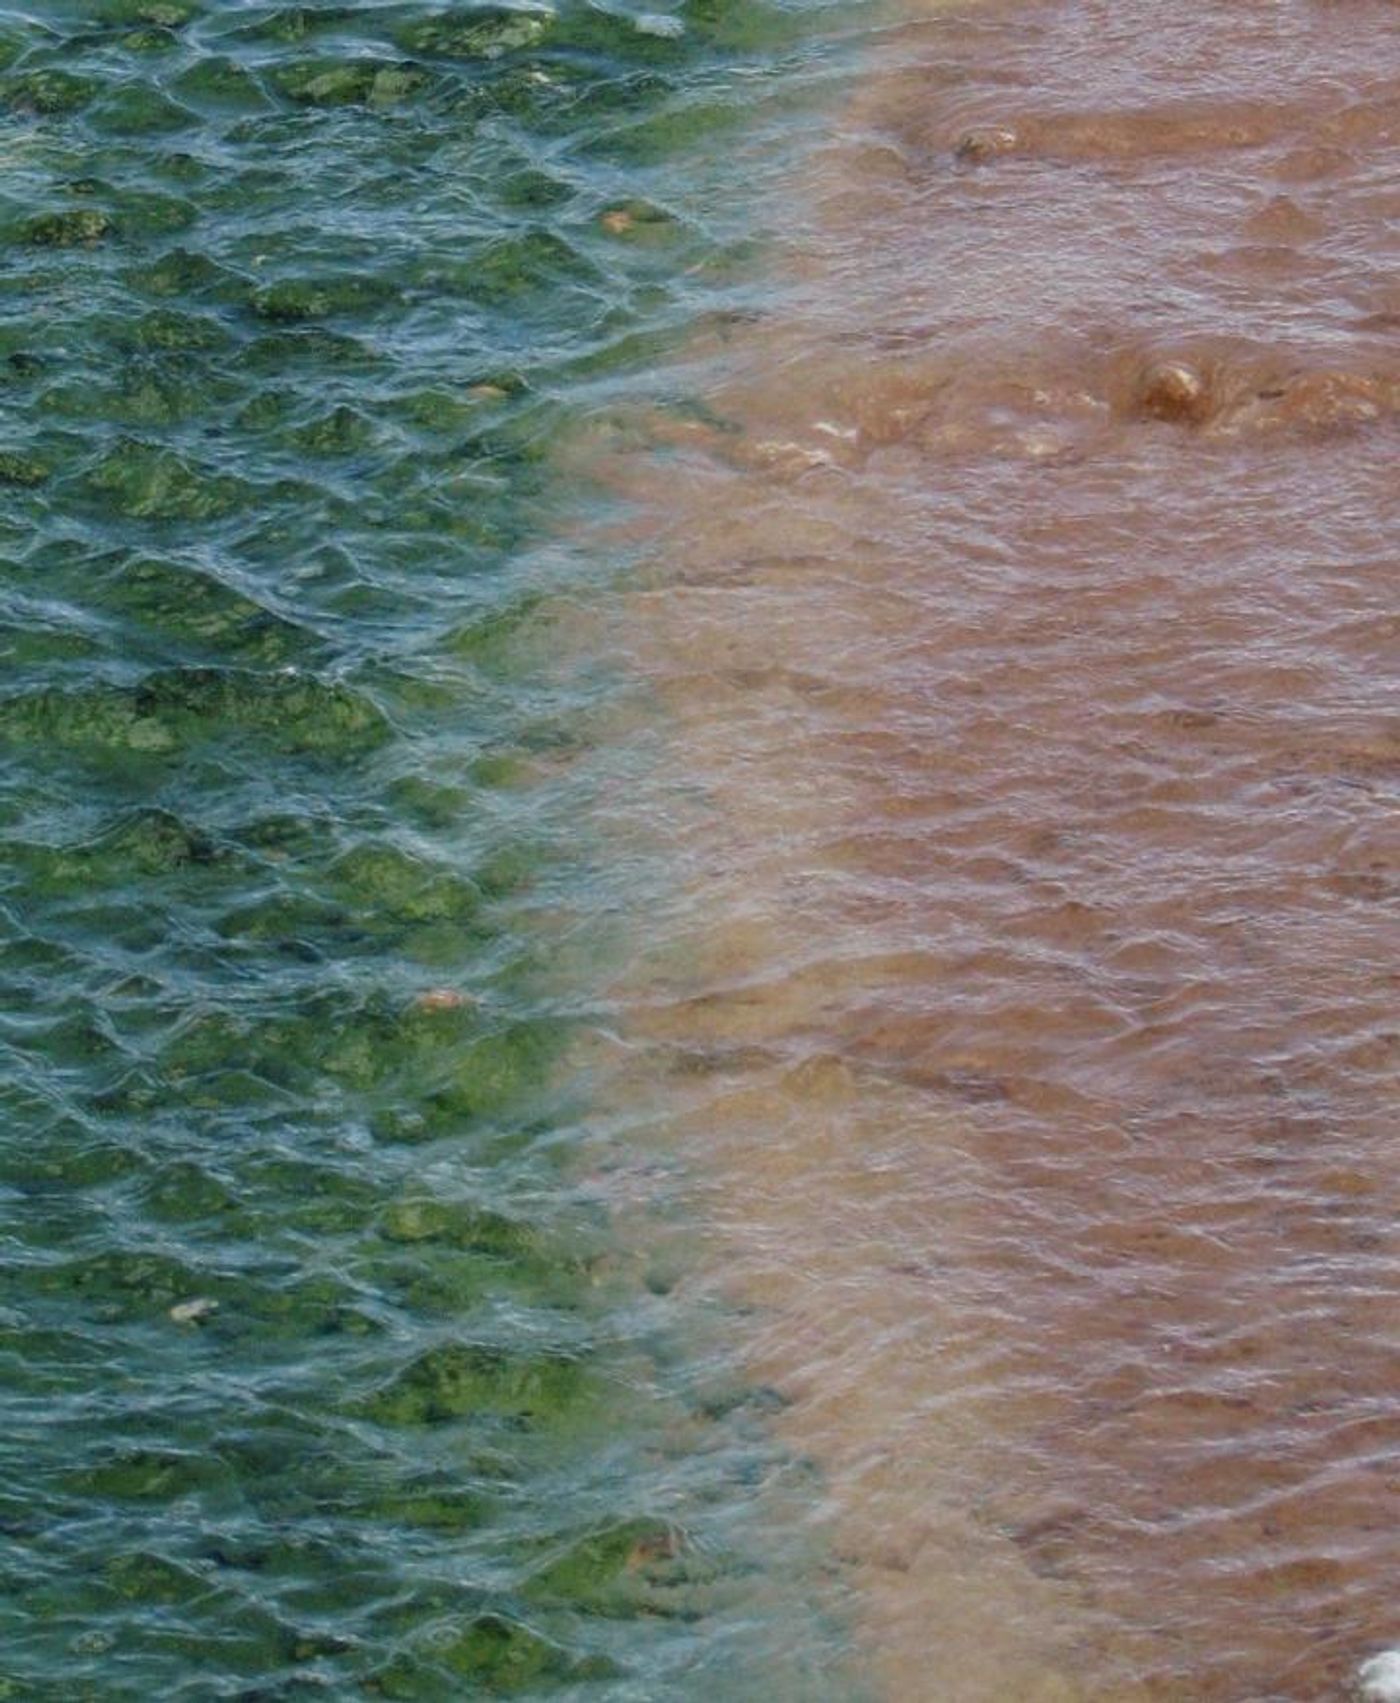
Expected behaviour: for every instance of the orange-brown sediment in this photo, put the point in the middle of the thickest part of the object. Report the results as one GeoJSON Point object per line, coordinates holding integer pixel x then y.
{"type": "Point", "coordinates": [1028, 640]}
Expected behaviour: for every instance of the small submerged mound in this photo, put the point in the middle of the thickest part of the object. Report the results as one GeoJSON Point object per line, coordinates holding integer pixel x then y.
{"type": "Point", "coordinates": [1063, 399]}
{"type": "Point", "coordinates": [1144, 133]}
{"type": "Point", "coordinates": [1173, 390]}
{"type": "Point", "coordinates": [1242, 392]}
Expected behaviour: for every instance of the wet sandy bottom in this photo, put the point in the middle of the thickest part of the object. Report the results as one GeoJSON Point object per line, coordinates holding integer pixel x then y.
{"type": "Point", "coordinates": [1023, 611]}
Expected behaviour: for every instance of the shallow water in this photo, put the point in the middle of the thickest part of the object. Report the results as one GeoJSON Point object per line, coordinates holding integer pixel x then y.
{"type": "Point", "coordinates": [1022, 611]}
{"type": "Point", "coordinates": [326, 1367]}
{"type": "Point", "coordinates": [699, 944]}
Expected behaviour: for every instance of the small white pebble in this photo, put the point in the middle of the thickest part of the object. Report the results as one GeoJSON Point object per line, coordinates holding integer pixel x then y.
{"type": "Point", "coordinates": [1378, 1679]}
{"type": "Point", "coordinates": [193, 1312]}
{"type": "Point", "coordinates": [658, 23]}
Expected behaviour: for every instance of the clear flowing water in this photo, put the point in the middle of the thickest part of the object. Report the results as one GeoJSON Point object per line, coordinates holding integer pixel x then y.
{"type": "Point", "coordinates": [326, 1370]}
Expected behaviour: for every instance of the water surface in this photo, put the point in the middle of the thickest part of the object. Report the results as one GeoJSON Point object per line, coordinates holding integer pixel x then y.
{"type": "Point", "coordinates": [325, 1367]}
{"type": "Point", "coordinates": [1023, 612]}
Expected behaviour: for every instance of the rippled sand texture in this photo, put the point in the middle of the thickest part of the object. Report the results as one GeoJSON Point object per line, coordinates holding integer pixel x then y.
{"type": "Point", "coordinates": [1025, 613]}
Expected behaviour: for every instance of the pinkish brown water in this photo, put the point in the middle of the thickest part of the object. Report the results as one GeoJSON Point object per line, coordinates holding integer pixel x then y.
{"type": "Point", "coordinates": [1024, 618]}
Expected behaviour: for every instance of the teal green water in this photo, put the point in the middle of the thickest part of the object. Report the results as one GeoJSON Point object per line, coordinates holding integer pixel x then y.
{"type": "Point", "coordinates": [318, 1374]}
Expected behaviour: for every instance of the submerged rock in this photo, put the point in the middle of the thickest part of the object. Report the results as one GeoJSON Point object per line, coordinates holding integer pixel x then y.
{"type": "Point", "coordinates": [503, 1656]}
{"type": "Point", "coordinates": [143, 1577]}
{"type": "Point", "coordinates": [18, 469]}
{"type": "Point", "coordinates": [146, 482]}
{"type": "Point", "coordinates": [292, 300]}
{"type": "Point", "coordinates": [459, 1380]}
{"type": "Point", "coordinates": [163, 14]}
{"type": "Point", "coordinates": [458, 1225]}
{"type": "Point", "coordinates": [985, 142]}
{"type": "Point", "coordinates": [49, 91]}
{"type": "Point", "coordinates": [382, 878]}
{"type": "Point", "coordinates": [1174, 390]}
{"type": "Point", "coordinates": [482, 33]}
{"type": "Point", "coordinates": [150, 842]}
{"type": "Point", "coordinates": [347, 82]}
{"type": "Point", "coordinates": [70, 227]}
{"type": "Point", "coordinates": [344, 431]}
{"type": "Point", "coordinates": [610, 1571]}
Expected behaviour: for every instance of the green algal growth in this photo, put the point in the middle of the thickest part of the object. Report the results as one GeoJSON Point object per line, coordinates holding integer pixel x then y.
{"type": "Point", "coordinates": [498, 1071]}
{"type": "Point", "coordinates": [464, 1380]}
{"type": "Point", "coordinates": [167, 328]}
{"type": "Point", "coordinates": [180, 707]}
{"type": "Point", "coordinates": [300, 712]}
{"type": "Point", "coordinates": [327, 1374]}
{"type": "Point", "coordinates": [382, 879]}
{"type": "Point", "coordinates": [69, 227]}
{"type": "Point", "coordinates": [149, 40]}
{"type": "Point", "coordinates": [186, 604]}
{"type": "Point", "coordinates": [348, 82]}
{"type": "Point", "coordinates": [149, 1474]}
{"type": "Point", "coordinates": [511, 267]}
{"type": "Point", "coordinates": [291, 300]}
{"type": "Point", "coordinates": [141, 214]}
{"type": "Point", "coordinates": [457, 1224]}
{"type": "Point", "coordinates": [445, 1506]}
{"type": "Point", "coordinates": [311, 346]}
{"type": "Point", "coordinates": [140, 112]}
{"type": "Point", "coordinates": [505, 1657]}
{"type": "Point", "coordinates": [288, 26]}
{"type": "Point", "coordinates": [621, 1569]}
{"type": "Point", "coordinates": [186, 1193]}
{"type": "Point", "coordinates": [146, 482]}
{"type": "Point", "coordinates": [146, 1578]}
{"type": "Point", "coordinates": [223, 84]}
{"type": "Point", "coordinates": [19, 469]}
{"type": "Point", "coordinates": [163, 14]}
{"type": "Point", "coordinates": [182, 272]}
{"type": "Point", "coordinates": [14, 42]}
{"type": "Point", "coordinates": [493, 1657]}
{"type": "Point", "coordinates": [151, 842]}
{"type": "Point", "coordinates": [47, 90]}
{"type": "Point", "coordinates": [344, 431]}
{"type": "Point", "coordinates": [482, 33]}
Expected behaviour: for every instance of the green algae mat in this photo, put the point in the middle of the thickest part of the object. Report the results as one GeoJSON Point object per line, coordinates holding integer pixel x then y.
{"type": "Point", "coordinates": [318, 1377]}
